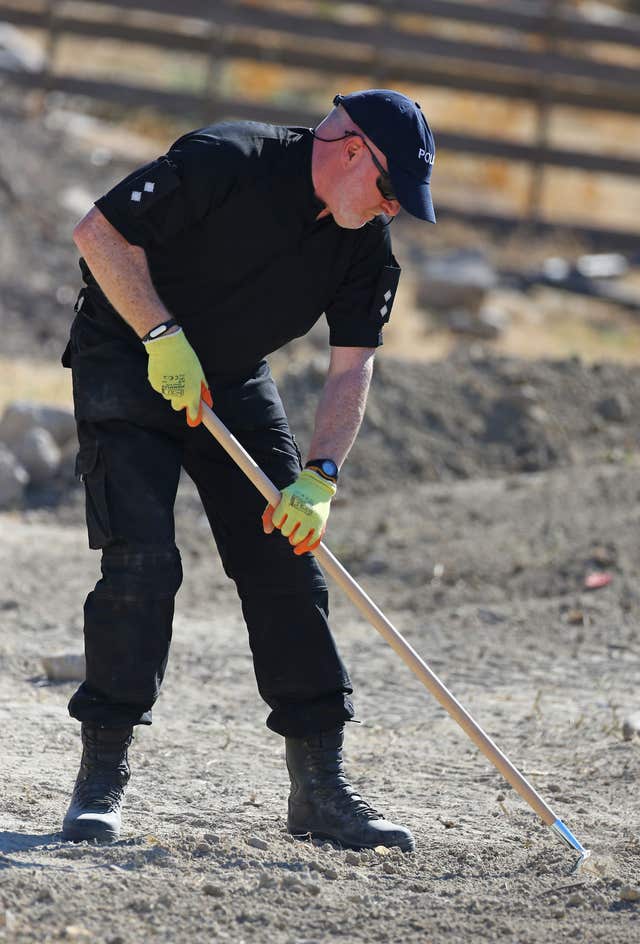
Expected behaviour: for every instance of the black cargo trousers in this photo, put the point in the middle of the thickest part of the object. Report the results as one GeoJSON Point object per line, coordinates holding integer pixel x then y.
{"type": "Point", "coordinates": [132, 448]}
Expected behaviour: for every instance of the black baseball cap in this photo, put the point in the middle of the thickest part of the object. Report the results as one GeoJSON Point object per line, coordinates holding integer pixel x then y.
{"type": "Point", "coordinates": [397, 126]}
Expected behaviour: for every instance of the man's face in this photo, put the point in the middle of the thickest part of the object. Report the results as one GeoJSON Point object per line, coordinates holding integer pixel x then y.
{"type": "Point", "coordinates": [353, 198]}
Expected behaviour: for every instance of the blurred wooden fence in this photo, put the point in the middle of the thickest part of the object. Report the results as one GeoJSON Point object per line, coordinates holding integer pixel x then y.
{"type": "Point", "coordinates": [539, 53]}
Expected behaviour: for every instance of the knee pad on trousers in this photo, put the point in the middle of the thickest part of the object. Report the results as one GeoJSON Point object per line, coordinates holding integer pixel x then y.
{"type": "Point", "coordinates": [141, 570]}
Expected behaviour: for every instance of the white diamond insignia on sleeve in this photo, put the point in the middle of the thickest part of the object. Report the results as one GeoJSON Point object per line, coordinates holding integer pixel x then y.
{"type": "Point", "coordinates": [149, 186]}
{"type": "Point", "coordinates": [136, 196]}
{"type": "Point", "coordinates": [387, 296]}
{"type": "Point", "coordinates": [384, 310]}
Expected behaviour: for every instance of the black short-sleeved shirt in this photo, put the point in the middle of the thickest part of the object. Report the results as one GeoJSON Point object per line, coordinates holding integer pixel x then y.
{"type": "Point", "coordinates": [227, 219]}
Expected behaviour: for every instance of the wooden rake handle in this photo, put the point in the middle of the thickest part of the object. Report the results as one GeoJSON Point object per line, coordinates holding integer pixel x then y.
{"type": "Point", "coordinates": [379, 621]}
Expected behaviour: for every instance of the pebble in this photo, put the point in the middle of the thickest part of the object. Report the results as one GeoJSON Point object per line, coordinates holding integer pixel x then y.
{"type": "Point", "coordinates": [630, 893]}
{"type": "Point", "coordinates": [352, 858]}
{"type": "Point", "coordinates": [257, 843]}
{"type": "Point", "coordinates": [211, 838]}
{"type": "Point", "coordinates": [215, 891]}
{"type": "Point", "coordinates": [382, 851]}
{"type": "Point", "coordinates": [330, 873]}
{"type": "Point", "coordinates": [575, 899]}
{"type": "Point", "coordinates": [631, 726]}
{"type": "Point", "coordinates": [267, 881]}
{"type": "Point", "coordinates": [74, 932]}
{"type": "Point", "coordinates": [388, 867]}
{"type": "Point", "coordinates": [558, 913]}
{"type": "Point", "coordinates": [292, 884]}
{"type": "Point", "coordinates": [575, 617]}
{"type": "Point", "coordinates": [290, 881]}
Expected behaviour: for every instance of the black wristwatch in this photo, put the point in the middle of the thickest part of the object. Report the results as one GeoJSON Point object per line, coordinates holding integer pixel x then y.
{"type": "Point", "coordinates": [327, 468]}
{"type": "Point", "coordinates": [159, 330]}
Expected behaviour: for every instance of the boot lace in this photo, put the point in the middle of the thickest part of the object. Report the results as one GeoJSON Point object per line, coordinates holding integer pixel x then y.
{"type": "Point", "coordinates": [100, 791]}
{"type": "Point", "coordinates": [348, 799]}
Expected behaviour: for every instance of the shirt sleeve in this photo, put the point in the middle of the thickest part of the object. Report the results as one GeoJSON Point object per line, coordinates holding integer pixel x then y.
{"type": "Point", "coordinates": [363, 303]}
{"type": "Point", "coordinates": [157, 202]}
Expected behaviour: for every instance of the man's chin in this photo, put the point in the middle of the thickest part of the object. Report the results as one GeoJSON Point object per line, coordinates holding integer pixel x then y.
{"type": "Point", "coordinates": [350, 222]}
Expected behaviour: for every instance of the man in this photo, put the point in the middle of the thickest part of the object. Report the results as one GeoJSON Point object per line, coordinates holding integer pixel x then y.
{"type": "Point", "coordinates": [196, 267]}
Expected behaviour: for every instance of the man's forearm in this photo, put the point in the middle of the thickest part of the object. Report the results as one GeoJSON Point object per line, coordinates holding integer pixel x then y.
{"type": "Point", "coordinates": [122, 272]}
{"type": "Point", "coordinates": [340, 412]}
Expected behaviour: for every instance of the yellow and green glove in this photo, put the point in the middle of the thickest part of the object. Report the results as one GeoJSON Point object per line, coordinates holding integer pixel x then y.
{"type": "Point", "coordinates": [302, 512]}
{"type": "Point", "coordinates": [175, 372]}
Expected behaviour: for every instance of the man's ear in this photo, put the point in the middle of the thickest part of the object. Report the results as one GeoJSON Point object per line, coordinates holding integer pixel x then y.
{"type": "Point", "coordinates": [352, 149]}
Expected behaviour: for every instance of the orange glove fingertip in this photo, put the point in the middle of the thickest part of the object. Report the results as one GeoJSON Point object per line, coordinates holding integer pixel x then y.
{"type": "Point", "coordinates": [205, 395]}
{"type": "Point", "coordinates": [198, 419]}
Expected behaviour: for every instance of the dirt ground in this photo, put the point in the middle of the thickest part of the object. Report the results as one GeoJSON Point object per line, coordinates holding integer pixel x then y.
{"type": "Point", "coordinates": [484, 576]}
{"type": "Point", "coordinates": [480, 495]}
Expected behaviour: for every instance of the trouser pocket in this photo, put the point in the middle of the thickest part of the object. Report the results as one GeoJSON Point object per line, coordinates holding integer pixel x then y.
{"type": "Point", "coordinates": [90, 469]}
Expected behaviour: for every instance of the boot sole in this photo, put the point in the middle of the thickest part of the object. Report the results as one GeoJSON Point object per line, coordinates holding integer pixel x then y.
{"type": "Point", "coordinates": [79, 832]}
{"type": "Point", "coordinates": [406, 845]}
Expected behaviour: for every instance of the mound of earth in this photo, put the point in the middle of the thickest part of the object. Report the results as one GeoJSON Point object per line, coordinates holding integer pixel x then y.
{"type": "Point", "coordinates": [467, 416]}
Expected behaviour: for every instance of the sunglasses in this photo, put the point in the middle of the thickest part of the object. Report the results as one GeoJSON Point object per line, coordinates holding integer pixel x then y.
{"type": "Point", "coordinates": [384, 181]}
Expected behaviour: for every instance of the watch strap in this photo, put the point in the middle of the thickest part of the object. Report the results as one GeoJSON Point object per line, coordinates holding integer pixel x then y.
{"type": "Point", "coordinates": [159, 330]}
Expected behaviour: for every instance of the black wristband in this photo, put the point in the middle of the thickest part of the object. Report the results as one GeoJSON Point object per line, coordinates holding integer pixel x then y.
{"type": "Point", "coordinates": [159, 330]}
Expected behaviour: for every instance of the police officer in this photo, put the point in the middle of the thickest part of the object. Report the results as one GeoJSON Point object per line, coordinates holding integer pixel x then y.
{"type": "Point", "coordinates": [196, 267]}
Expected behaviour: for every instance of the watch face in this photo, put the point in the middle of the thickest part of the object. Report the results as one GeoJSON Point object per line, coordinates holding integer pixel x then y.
{"type": "Point", "coordinates": [329, 468]}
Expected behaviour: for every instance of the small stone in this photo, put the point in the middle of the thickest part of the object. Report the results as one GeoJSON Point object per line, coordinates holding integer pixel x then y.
{"type": "Point", "coordinates": [330, 873]}
{"type": "Point", "coordinates": [292, 884]}
{"type": "Point", "coordinates": [214, 891]}
{"type": "Point", "coordinates": [558, 913]}
{"type": "Point", "coordinates": [575, 899]}
{"type": "Point", "coordinates": [267, 881]}
{"type": "Point", "coordinates": [575, 618]}
{"type": "Point", "coordinates": [291, 881]}
{"type": "Point", "coordinates": [67, 667]}
{"type": "Point", "coordinates": [257, 843]}
{"type": "Point", "coordinates": [630, 893]}
{"type": "Point", "coordinates": [352, 858]}
{"type": "Point", "coordinates": [13, 478]}
{"type": "Point", "coordinates": [615, 408]}
{"type": "Point", "coordinates": [631, 726]}
{"type": "Point", "coordinates": [388, 867]}
{"type": "Point", "coordinates": [212, 838]}
{"type": "Point", "coordinates": [39, 453]}
{"type": "Point", "coordinates": [382, 851]}
{"type": "Point", "coordinates": [74, 932]}
{"type": "Point", "coordinates": [45, 895]}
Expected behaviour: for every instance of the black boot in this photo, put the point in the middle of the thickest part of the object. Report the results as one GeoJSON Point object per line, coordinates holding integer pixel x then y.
{"type": "Point", "coordinates": [324, 804]}
{"type": "Point", "coordinates": [94, 811]}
